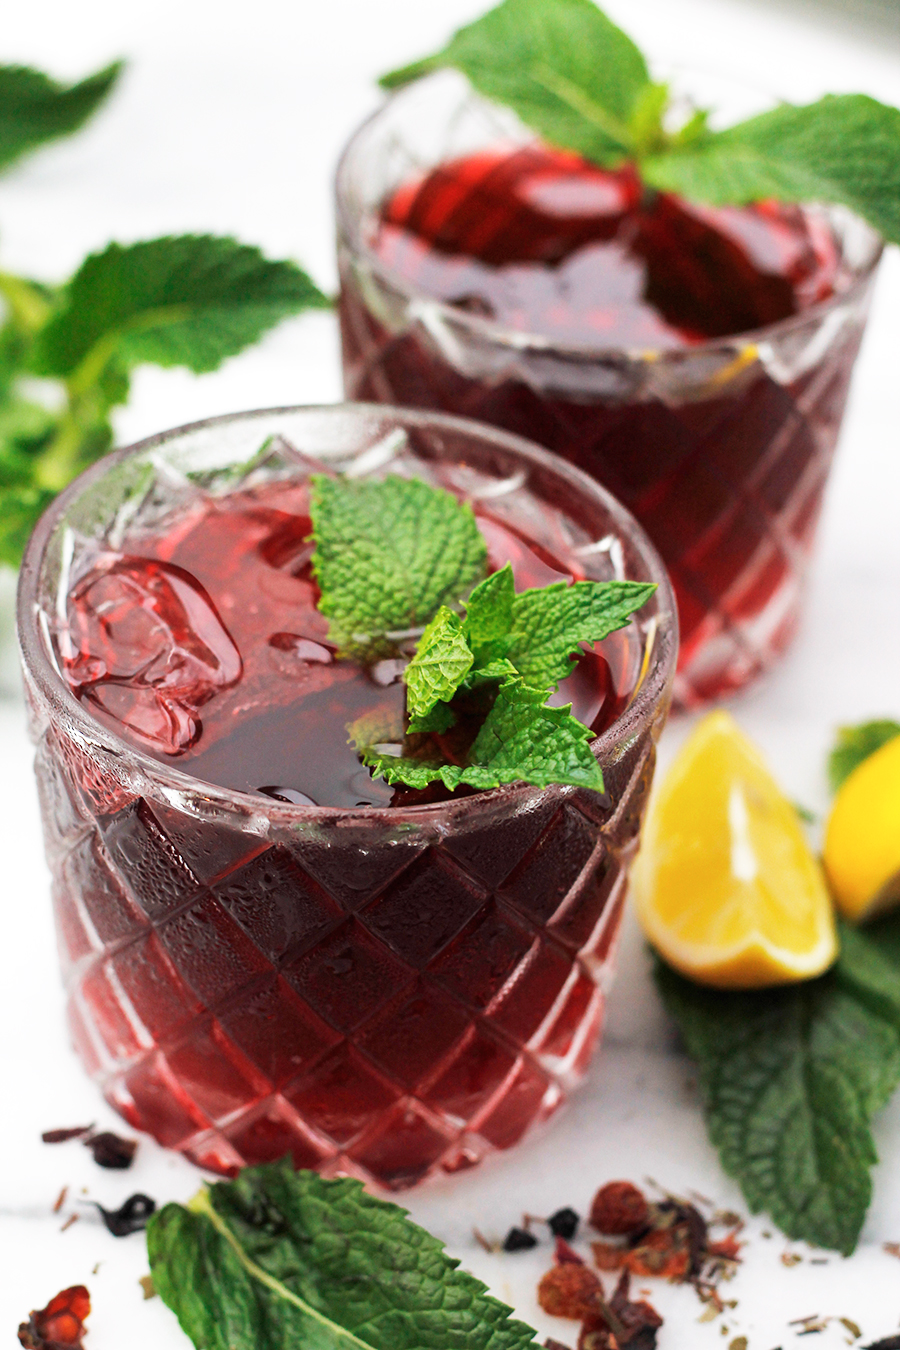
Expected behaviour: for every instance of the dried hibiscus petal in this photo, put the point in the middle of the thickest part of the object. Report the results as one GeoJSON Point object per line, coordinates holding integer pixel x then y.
{"type": "Point", "coordinates": [130, 1217]}
{"type": "Point", "coordinates": [640, 1321]}
{"type": "Point", "coordinates": [619, 1209]}
{"type": "Point", "coordinates": [63, 1136]}
{"type": "Point", "coordinates": [564, 1254]}
{"type": "Point", "coordinates": [59, 1326]}
{"type": "Point", "coordinates": [570, 1290]}
{"type": "Point", "coordinates": [111, 1150]}
{"type": "Point", "coordinates": [889, 1343]}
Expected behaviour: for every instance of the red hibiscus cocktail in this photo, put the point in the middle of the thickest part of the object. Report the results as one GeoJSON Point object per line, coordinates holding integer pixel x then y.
{"type": "Point", "coordinates": [266, 949]}
{"type": "Point", "coordinates": [695, 360]}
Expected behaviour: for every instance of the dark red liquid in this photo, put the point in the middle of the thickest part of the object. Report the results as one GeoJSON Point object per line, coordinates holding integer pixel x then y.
{"type": "Point", "coordinates": [724, 469]}
{"type": "Point", "coordinates": [203, 644]}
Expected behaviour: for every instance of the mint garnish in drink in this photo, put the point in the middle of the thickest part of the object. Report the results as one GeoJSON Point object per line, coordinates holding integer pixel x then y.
{"type": "Point", "coordinates": [581, 83]}
{"type": "Point", "coordinates": [279, 1258]}
{"type": "Point", "coordinates": [397, 554]}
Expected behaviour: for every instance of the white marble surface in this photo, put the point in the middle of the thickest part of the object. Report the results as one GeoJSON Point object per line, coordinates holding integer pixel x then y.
{"type": "Point", "coordinates": [230, 119]}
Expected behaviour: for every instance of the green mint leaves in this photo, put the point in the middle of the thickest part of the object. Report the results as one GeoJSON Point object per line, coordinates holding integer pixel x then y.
{"type": "Point", "coordinates": [191, 301]}
{"type": "Point", "coordinates": [522, 740]}
{"type": "Point", "coordinates": [577, 80]}
{"type": "Point", "coordinates": [187, 301]}
{"type": "Point", "coordinates": [278, 1260]}
{"type": "Point", "coordinates": [844, 149]}
{"type": "Point", "coordinates": [35, 109]}
{"type": "Point", "coordinates": [388, 555]}
{"type": "Point", "coordinates": [563, 67]}
{"type": "Point", "coordinates": [856, 744]}
{"type": "Point", "coordinates": [393, 556]}
{"type": "Point", "coordinates": [792, 1077]}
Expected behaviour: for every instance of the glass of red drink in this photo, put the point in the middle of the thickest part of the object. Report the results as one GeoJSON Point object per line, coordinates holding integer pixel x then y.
{"type": "Point", "coordinates": [266, 951]}
{"type": "Point", "coordinates": [695, 361]}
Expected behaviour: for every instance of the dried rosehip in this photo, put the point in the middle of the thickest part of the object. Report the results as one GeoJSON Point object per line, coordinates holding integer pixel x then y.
{"type": "Point", "coordinates": [620, 1209]}
{"type": "Point", "coordinates": [564, 1223]}
{"type": "Point", "coordinates": [570, 1291]}
{"type": "Point", "coordinates": [59, 1326]}
{"type": "Point", "coordinates": [607, 1256]}
{"type": "Point", "coordinates": [551, 1344]}
{"type": "Point", "coordinates": [519, 1240]}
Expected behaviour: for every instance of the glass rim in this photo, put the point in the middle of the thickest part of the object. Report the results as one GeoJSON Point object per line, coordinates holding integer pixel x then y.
{"type": "Point", "coordinates": [521, 339]}
{"type": "Point", "coordinates": [40, 667]}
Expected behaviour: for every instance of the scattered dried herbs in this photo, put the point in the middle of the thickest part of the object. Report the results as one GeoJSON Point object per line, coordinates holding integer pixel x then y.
{"type": "Point", "coordinates": [59, 1326]}
{"type": "Point", "coordinates": [129, 1218]}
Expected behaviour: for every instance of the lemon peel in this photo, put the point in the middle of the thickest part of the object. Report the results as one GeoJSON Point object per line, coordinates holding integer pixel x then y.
{"type": "Point", "coordinates": [862, 838]}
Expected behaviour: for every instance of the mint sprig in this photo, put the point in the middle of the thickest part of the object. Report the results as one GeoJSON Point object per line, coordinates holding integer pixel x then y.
{"type": "Point", "coordinates": [397, 553]}
{"type": "Point", "coordinates": [791, 1079]}
{"type": "Point", "coordinates": [278, 1260]}
{"type": "Point", "coordinates": [35, 109]}
{"type": "Point", "coordinates": [577, 80]}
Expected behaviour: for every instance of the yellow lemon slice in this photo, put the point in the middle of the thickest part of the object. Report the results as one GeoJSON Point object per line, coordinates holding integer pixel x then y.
{"type": "Point", "coordinates": [862, 841]}
{"type": "Point", "coordinates": [726, 886]}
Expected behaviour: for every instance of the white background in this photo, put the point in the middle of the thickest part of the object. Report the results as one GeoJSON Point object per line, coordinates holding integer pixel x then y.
{"type": "Point", "coordinates": [230, 119]}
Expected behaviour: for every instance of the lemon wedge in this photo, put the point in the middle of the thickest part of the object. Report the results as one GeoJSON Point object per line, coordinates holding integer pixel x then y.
{"type": "Point", "coordinates": [726, 886]}
{"type": "Point", "coordinates": [862, 840]}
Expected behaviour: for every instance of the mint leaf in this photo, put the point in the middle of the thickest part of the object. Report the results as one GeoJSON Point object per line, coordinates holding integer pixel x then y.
{"type": "Point", "coordinates": [791, 1078]}
{"type": "Point", "coordinates": [549, 624]}
{"type": "Point", "coordinates": [489, 615]}
{"type": "Point", "coordinates": [191, 300]}
{"type": "Point", "coordinates": [843, 149]}
{"type": "Point", "coordinates": [563, 67]}
{"type": "Point", "coordinates": [442, 660]}
{"type": "Point", "coordinates": [524, 737]}
{"type": "Point", "coordinates": [856, 744]}
{"type": "Point", "coordinates": [388, 555]}
{"type": "Point", "coordinates": [278, 1260]}
{"type": "Point", "coordinates": [581, 83]}
{"type": "Point", "coordinates": [35, 109]}
{"type": "Point", "coordinates": [522, 740]}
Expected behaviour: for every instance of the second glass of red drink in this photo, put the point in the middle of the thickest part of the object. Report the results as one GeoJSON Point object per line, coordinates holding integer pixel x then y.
{"type": "Point", "coordinates": [695, 361]}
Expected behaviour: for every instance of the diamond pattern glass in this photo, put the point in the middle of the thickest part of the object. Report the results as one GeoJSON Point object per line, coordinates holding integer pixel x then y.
{"type": "Point", "coordinates": [380, 992]}
{"type": "Point", "coordinates": [721, 451]}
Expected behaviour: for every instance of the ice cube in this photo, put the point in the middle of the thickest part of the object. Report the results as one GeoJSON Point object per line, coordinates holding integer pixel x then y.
{"type": "Point", "coordinates": [145, 644]}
